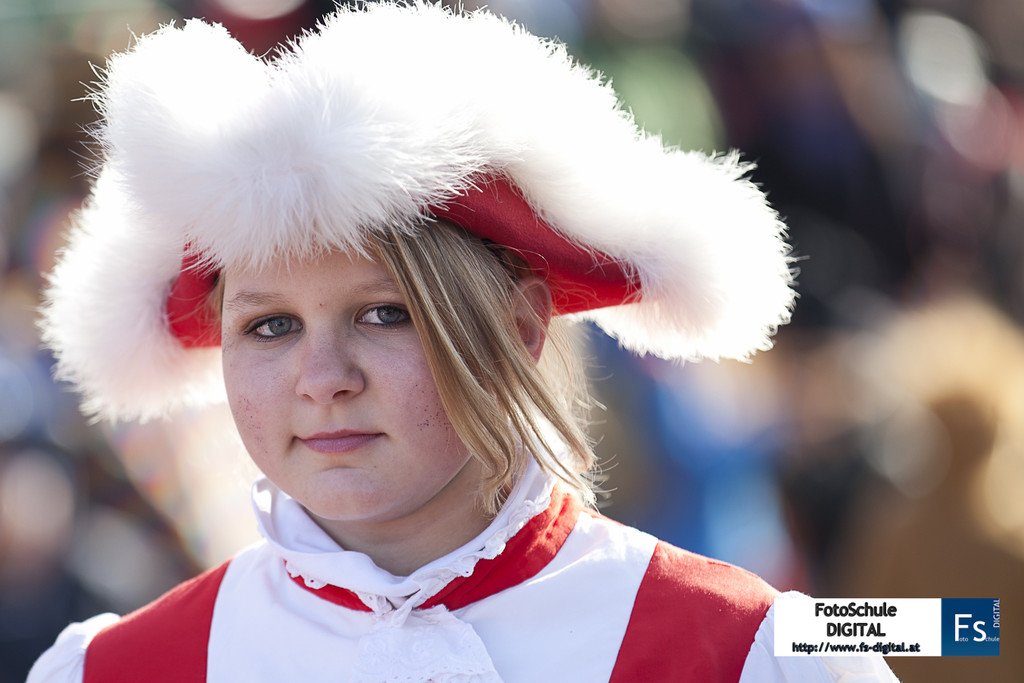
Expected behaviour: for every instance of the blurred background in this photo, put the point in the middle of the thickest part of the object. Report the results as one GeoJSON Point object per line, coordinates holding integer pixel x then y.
{"type": "Point", "coordinates": [876, 451]}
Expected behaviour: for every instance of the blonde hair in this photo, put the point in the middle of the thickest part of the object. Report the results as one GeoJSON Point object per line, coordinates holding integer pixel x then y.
{"type": "Point", "coordinates": [462, 298]}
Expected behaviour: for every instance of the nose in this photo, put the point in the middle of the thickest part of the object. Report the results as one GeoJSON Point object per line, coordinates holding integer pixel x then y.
{"type": "Point", "coordinates": [328, 369]}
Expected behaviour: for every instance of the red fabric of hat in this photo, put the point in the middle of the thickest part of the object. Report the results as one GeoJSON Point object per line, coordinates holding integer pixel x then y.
{"type": "Point", "coordinates": [580, 279]}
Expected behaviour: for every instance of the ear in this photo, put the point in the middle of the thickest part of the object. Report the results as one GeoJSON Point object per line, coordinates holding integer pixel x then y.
{"type": "Point", "coordinates": [533, 313]}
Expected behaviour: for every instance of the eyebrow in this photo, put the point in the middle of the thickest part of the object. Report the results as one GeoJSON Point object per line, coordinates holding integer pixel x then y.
{"type": "Point", "coordinates": [249, 299]}
{"type": "Point", "coordinates": [245, 299]}
{"type": "Point", "coordinates": [383, 284]}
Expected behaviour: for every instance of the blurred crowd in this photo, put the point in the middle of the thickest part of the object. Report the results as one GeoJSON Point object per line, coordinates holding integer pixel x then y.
{"type": "Point", "coordinates": [876, 451]}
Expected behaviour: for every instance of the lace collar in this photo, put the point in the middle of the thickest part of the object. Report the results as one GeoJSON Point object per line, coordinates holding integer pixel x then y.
{"type": "Point", "coordinates": [315, 558]}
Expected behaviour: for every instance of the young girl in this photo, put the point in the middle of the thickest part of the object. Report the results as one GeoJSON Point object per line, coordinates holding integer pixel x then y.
{"type": "Point", "coordinates": [374, 244]}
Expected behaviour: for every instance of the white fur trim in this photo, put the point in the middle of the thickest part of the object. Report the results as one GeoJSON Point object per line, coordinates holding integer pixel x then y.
{"type": "Point", "coordinates": [104, 316]}
{"type": "Point", "coordinates": [381, 113]}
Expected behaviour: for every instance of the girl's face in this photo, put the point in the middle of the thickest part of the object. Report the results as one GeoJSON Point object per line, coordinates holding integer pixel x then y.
{"type": "Point", "coordinates": [329, 386]}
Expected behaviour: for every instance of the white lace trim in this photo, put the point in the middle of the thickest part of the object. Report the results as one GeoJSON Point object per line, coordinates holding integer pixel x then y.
{"type": "Point", "coordinates": [315, 584]}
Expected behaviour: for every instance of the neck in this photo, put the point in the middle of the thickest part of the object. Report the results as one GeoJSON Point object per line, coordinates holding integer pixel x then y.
{"type": "Point", "coordinates": [403, 545]}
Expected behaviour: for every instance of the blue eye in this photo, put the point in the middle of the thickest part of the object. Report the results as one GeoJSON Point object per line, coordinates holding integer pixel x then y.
{"type": "Point", "coordinates": [385, 315]}
{"type": "Point", "coordinates": [270, 328]}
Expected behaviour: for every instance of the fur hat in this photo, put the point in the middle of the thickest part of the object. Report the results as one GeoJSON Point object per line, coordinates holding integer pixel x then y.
{"type": "Point", "coordinates": [381, 116]}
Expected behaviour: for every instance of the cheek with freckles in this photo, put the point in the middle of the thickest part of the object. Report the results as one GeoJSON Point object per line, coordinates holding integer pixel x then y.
{"type": "Point", "coordinates": [430, 413]}
{"type": "Point", "coordinates": [248, 422]}
{"type": "Point", "coordinates": [432, 416]}
{"type": "Point", "coordinates": [250, 407]}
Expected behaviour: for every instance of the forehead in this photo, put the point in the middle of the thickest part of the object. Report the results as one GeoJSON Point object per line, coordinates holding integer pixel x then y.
{"type": "Point", "coordinates": [306, 276]}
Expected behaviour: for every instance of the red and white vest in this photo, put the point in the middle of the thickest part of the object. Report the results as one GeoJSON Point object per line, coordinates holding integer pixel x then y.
{"type": "Point", "coordinates": [572, 596]}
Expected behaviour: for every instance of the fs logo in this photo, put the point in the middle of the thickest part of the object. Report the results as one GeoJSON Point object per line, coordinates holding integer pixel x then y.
{"type": "Point", "coordinates": [970, 627]}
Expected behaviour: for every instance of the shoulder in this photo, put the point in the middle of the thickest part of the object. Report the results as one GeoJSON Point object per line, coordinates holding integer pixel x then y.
{"type": "Point", "coordinates": [717, 605]}
{"type": "Point", "coordinates": [110, 648]}
{"type": "Point", "coordinates": [189, 598]}
{"type": "Point", "coordinates": [692, 617]}
{"type": "Point", "coordinates": [179, 620]}
{"type": "Point", "coordinates": [64, 661]}
{"type": "Point", "coordinates": [674, 576]}
{"type": "Point", "coordinates": [706, 584]}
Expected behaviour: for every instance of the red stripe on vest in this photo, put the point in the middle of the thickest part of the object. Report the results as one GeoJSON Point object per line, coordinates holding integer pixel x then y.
{"type": "Point", "coordinates": [525, 554]}
{"type": "Point", "coordinates": [694, 619]}
{"type": "Point", "coordinates": [163, 642]}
